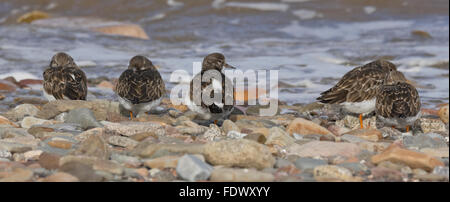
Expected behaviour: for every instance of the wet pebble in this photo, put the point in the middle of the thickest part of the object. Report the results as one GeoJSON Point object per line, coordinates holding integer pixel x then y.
{"type": "Point", "coordinates": [308, 164]}
{"type": "Point", "coordinates": [84, 117]}
{"type": "Point", "coordinates": [191, 168]}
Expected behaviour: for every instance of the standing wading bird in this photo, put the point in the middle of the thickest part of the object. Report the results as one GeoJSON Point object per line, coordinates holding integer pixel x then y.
{"type": "Point", "coordinates": [398, 104]}
{"type": "Point", "coordinates": [140, 87]}
{"type": "Point", "coordinates": [216, 110]}
{"type": "Point", "coordinates": [357, 89]}
{"type": "Point", "coordinates": [64, 80]}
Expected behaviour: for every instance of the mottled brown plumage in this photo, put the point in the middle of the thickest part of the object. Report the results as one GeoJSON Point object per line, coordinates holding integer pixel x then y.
{"type": "Point", "coordinates": [398, 104]}
{"type": "Point", "coordinates": [140, 87]}
{"type": "Point", "coordinates": [64, 80]}
{"type": "Point", "coordinates": [358, 88]}
{"type": "Point", "coordinates": [213, 63]}
{"type": "Point", "coordinates": [359, 84]}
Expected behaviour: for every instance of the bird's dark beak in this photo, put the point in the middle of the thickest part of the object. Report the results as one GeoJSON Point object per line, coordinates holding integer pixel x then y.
{"type": "Point", "coordinates": [229, 66]}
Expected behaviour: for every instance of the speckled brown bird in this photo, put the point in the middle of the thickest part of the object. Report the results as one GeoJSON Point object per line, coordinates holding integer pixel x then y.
{"type": "Point", "coordinates": [140, 87]}
{"type": "Point", "coordinates": [398, 105]}
{"type": "Point", "coordinates": [64, 80]}
{"type": "Point", "coordinates": [357, 90]}
{"type": "Point", "coordinates": [216, 110]}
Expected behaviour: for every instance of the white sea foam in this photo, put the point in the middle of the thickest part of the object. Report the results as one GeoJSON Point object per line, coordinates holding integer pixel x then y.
{"type": "Point", "coordinates": [86, 63]}
{"type": "Point", "coordinates": [51, 5]}
{"type": "Point", "coordinates": [369, 9]}
{"type": "Point", "coordinates": [19, 75]}
{"type": "Point", "coordinates": [217, 3]}
{"type": "Point", "coordinates": [174, 3]}
{"type": "Point", "coordinates": [307, 14]}
{"type": "Point", "coordinates": [260, 6]}
{"type": "Point", "coordinates": [348, 31]}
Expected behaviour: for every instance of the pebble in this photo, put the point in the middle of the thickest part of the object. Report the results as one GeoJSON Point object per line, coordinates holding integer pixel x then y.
{"type": "Point", "coordinates": [278, 136]}
{"type": "Point", "coordinates": [280, 163]}
{"type": "Point", "coordinates": [5, 154]}
{"type": "Point", "coordinates": [431, 177]}
{"type": "Point", "coordinates": [8, 133]}
{"type": "Point", "coordinates": [162, 162]}
{"type": "Point", "coordinates": [191, 168]}
{"type": "Point", "coordinates": [308, 164]}
{"type": "Point", "coordinates": [240, 153]}
{"type": "Point", "coordinates": [229, 125]}
{"type": "Point", "coordinates": [84, 117]}
{"type": "Point", "coordinates": [324, 149]}
{"type": "Point", "coordinates": [419, 171]}
{"type": "Point", "coordinates": [60, 177]}
{"type": "Point", "coordinates": [122, 141]}
{"type": "Point", "coordinates": [373, 146]}
{"type": "Point", "coordinates": [443, 113]}
{"type": "Point", "coordinates": [128, 161]}
{"type": "Point", "coordinates": [240, 175]}
{"type": "Point", "coordinates": [49, 161]}
{"type": "Point", "coordinates": [213, 133]}
{"type": "Point", "coordinates": [18, 175]}
{"type": "Point", "coordinates": [441, 152]}
{"type": "Point", "coordinates": [368, 134]}
{"type": "Point", "coordinates": [29, 121]}
{"type": "Point", "coordinates": [13, 147]}
{"type": "Point", "coordinates": [61, 117]}
{"type": "Point", "coordinates": [337, 130]}
{"type": "Point", "coordinates": [432, 125]}
{"type": "Point", "coordinates": [62, 144]}
{"type": "Point", "coordinates": [386, 174]}
{"type": "Point", "coordinates": [389, 132]}
{"type": "Point", "coordinates": [21, 111]}
{"type": "Point", "coordinates": [64, 127]}
{"type": "Point", "coordinates": [304, 127]}
{"type": "Point", "coordinates": [149, 149]}
{"type": "Point", "coordinates": [423, 141]}
{"type": "Point", "coordinates": [83, 172]}
{"type": "Point", "coordinates": [5, 121]}
{"type": "Point", "coordinates": [441, 171]}
{"type": "Point", "coordinates": [236, 135]}
{"type": "Point", "coordinates": [408, 157]}
{"type": "Point", "coordinates": [101, 108]}
{"type": "Point", "coordinates": [352, 139]}
{"type": "Point", "coordinates": [132, 128]}
{"type": "Point", "coordinates": [7, 86]}
{"type": "Point", "coordinates": [356, 168]}
{"type": "Point", "coordinates": [108, 166]}
{"type": "Point", "coordinates": [32, 155]}
{"type": "Point", "coordinates": [256, 137]}
{"type": "Point", "coordinates": [334, 173]}
{"type": "Point", "coordinates": [94, 146]}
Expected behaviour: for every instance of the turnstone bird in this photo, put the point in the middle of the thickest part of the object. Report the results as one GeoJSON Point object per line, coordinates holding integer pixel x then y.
{"type": "Point", "coordinates": [357, 90]}
{"type": "Point", "coordinates": [140, 87]}
{"type": "Point", "coordinates": [64, 80]}
{"type": "Point", "coordinates": [216, 110]}
{"type": "Point", "coordinates": [398, 104]}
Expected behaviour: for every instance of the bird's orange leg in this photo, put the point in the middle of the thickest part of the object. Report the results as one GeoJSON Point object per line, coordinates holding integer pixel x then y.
{"type": "Point", "coordinates": [407, 128]}
{"type": "Point", "coordinates": [131, 115]}
{"type": "Point", "coordinates": [215, 122]}
{"type": "Point", "coordinates": [361, 120]}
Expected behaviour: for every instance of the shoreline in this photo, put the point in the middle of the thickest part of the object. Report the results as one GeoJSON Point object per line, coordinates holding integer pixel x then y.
{"type": "Point", "coordinates": [93, 141]}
